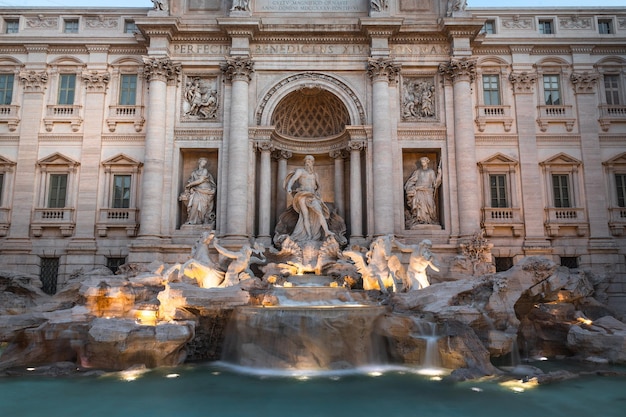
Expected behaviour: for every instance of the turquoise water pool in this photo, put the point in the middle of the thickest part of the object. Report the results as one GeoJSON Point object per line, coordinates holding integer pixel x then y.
{"type": "Point", "coordinates": [213, 390]}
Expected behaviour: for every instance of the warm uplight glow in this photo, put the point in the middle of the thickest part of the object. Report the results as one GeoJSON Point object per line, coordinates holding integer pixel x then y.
{"type": "Point", "coordinates": [431, 371]}
{"type": "Point", "coordinates": [30, 369]}
{"type": "Point", "coordinates": [172, 375]}
{"type": "Point", "coordinates": [585, 321]}
{"type": "Point", "coordinates": [476, 389]}
{"type": "Point", "coordinates": [375, 373]}
{"type": "Point", "coordinates": [146, 317]}
{"type": "Point", "coordinates": [436, 378]}
{"type": "Point", "coordinates": [520, 385]}
{"type": "Point", "coordinates": [132, 374]}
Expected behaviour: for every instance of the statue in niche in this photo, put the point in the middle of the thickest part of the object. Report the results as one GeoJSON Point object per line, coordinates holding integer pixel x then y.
{"type": "Point", "coordinates": [419, 100]}
{"type": "Point", "coordinates": [200, 99]}
{"type": "Point", "coordinates": [199, 196]}
{"type": "Point", "coordinates": [240, 6]}
{"type": "Point", "coordinates": [420, 191]}
{"type": "Point", "coordinates": [421, 258]}
{"type": "Point", "coordinates": [313, 214]}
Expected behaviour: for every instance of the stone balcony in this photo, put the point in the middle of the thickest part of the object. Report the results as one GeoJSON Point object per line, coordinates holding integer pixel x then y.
{"type": "Point", "coordinates": [494, 114]}
{"type": "Point", "coordinates": [118, 218]}
{"type": "Point", "coordinates": [125, 114]}
{"type": "Point", "coordinates": [63, 114]}
{"type": "Point", "coordinates": [53, 218]}
{"type": "Point", "coordinates": [9, 113]}
{"type": "Point", "coordinates": [555, 114]}
{"type": "Point", "coordinates": [504, 218]}
{"type": "Point", "coordinates": [561, 220]}
{"type": "Point", "coordinates": [617, 220]}
{"type": "Point", "coordinates": [611, 114]}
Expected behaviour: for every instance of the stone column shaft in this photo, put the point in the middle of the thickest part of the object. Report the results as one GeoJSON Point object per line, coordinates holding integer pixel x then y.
{"type": "Point", "coordinates": [281, 173]}
{"type": "Point", "coordinates": [158, 71]}
{"type": "Point", "coordinates": [238, 71]}
{"type": "Point", "coordinates": [382, 71]}
{"type": "Point", "coordinates": [356, 198]}
{"type": "Point", "coordinates": [265, 189]}
{"type": "Point", "coordinates": [339, 182]}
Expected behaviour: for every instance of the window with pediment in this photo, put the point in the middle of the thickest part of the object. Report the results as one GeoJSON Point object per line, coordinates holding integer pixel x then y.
{"type": "Point", "coordinates": [501, 210]}
{"type": "Point", "coordinates": [553, 107]}
{"type": "Point", "coordinates": [119, 201]}
{"type": "Point", "coordinates": [493, 112]}
{"type": "Point", "coordinates": [57, 190]}
{"type": "Point", "coordinates": [565, 211]}
{"type": "Point", "coordinates": [615, 171]}
{"type": "Point", "coordinates": [9, 107]}
{"type": "Point", "coordinates": [612, 91]}
{"type": "Point", "coordinates": [65, 107]}
{"type": "Point", "coordinates": [127, 89]}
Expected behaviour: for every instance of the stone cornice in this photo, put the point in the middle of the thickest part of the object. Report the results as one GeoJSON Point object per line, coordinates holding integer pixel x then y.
{"type": "Point", "coordinates": [240, 26]}
{"type": "Point", "coordinates": [381, 27]}
{"type": "Point", "coordinates": [383, 68]}
{"type": "Point", "coordinates": [238, 68]}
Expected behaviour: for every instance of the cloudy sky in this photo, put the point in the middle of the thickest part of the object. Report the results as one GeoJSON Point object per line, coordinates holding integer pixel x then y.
{"type": "Point", "coordinates": [471, 3]}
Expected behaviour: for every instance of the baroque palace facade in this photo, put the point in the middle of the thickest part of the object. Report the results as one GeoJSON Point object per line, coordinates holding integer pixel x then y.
{"type": "Point", "coordinates": [107, 114]}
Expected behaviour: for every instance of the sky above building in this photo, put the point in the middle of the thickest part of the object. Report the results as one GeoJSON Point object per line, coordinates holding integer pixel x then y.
{"type": "Point", "coordinates": [471, 3]}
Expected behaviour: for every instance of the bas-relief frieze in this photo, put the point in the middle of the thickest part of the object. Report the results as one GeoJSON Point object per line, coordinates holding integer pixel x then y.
{"type": "Point", "coordinates": [575, 22]}
{"type": "Point", "coordinates": [200, 99]}
{"type": "Point", "coordinates": [418, 101]}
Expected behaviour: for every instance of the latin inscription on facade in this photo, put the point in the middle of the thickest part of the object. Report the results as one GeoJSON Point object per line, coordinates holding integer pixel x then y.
{"type": "Point", "coordinates": [309, 49]}
{"type": "Point", "coordinates": [318, 6]}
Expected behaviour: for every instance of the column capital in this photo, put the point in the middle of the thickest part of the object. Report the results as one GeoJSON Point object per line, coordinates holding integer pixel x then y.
{"type": "Point", "coordinates": [238, 68]}
{"type": "Point", "coordinates": [281, 154]}
{"type": "Point", "coordinates": [264, 146]}
{"type": "Point", "coordinates": [160, 68]}
{"type": "Point", "coordinates": [383, 69]}
{"type": "Point", "coordinates": [356, 145]}
{"type": "Point", "coordinates": [523, 82]}
{"type": "Point", "coordinates": [585, 82]}
{"type": "Point", "coordinates": [96, 82]}
{"type": "Point", "coordinates": [463, 69]}
{"type": "Point", "coordinates": [337, 154]}
{"type": "Point", "coordinates": [34, 81]}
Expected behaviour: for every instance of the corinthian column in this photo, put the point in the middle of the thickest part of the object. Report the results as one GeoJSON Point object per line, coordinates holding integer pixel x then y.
{"type": "Point", "coordinates": [461, 73]}
{"type": "Point", "coordinates": [356, 196]}
{"type": "Point", "coordinates": [281, 173]}
{"type": "Point", "coordinates": [382, 71]}
{"type": "Point", "coordinates": [265, 191]}
{"type": "Point", "coordinates": [158, 71]}
{"type": "Point", "coordinates": [338, 155]}
{"type": "Point", "coordinates": [238, 71]}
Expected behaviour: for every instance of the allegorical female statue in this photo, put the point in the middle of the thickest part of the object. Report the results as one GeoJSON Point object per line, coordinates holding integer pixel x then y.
{"type": "Point", "coordinates": [199, 195]}
{"type": "Point", "coordinates": [420, 191]}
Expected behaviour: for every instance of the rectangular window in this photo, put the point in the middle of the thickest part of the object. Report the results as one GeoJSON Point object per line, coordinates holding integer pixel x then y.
{"type": "Point", "coordinates": [67, 86]}
{"type": "Point", "coordinates": [491, 90]}
{"type": "Point", "coordinates": [121, 191]}
{"type": "Point", "coordinates": [1, 187]}
{"type": "Point", "coordinates": [49, 274]}
{"type": "Point", "coordinates": [605, 26]}
{"type": "Point", "coordinates": [489, 28]}
{"type": "Point", "coordinates": [12, 26]}
{"type": "Point", "coordinates": [6, 88]}
{"type": "Point", "coordinates": [545, 26]}
{"type": "Point", "coordinates": [551, 90]}
{"type": "Point", "coordinates": [497, 186]}
{"type": "Point", "coordinates": [130, 27]}
{"type": "Point", "coordinates": [58, 190]}
{"type": "Point", "coordinates": [70, 26]}
{"type": "Point", "coordinates": [128, 89]}
{"type": "Point", "coordinates": [569, 262]}
{"type": "Point", "coordinates": [560, 187]}
{"type": "Point", "coordinates": [620, 184]}
{"type": "Point", "coordinates": [612, 89]}
{"type": "Point", "coordinates": [114, 263]}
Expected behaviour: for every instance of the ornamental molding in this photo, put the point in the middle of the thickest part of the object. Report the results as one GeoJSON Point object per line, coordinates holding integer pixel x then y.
{"type": "Point", "coordinates": [238, 68]}
{"type": "Point", "coordinates": [383, 69]}
{"type": "Point", "coordinates": [523, 82]}
{"type": "Point", "coordinates": [162, 69]}
{"type": "Point", "coordinates": [584, 82]}
{"type": "Point", "coordinates": [517, 22]}
{"type": "Point", "coordinates": [101, 22]}
{"type": "Point", "coordinates": [42, 22]}
{"type": "Point", "coordinates": [459, 69]}
{"type": "Point", "coordinates": [575, 22]}
{"type": "Point", "coordinates": [34, 81]}
{"type": "Point", "coordinates": [96, 81]}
